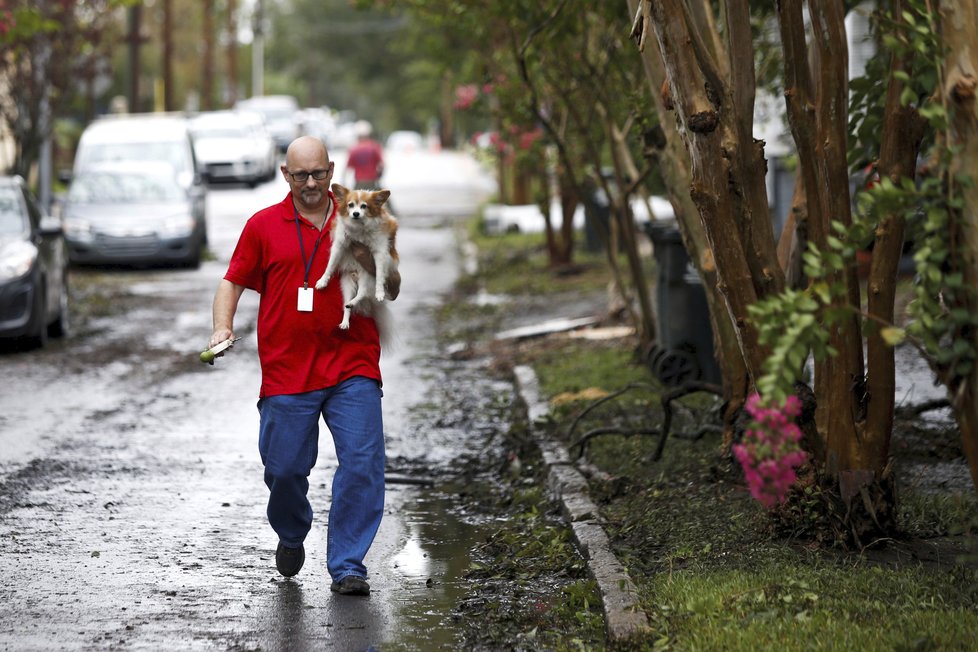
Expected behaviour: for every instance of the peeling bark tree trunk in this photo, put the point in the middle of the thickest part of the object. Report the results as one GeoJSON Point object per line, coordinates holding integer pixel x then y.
{"type": "Point", "coordinates": [817, 115]}
{"type": "Point", "coordinates": [960, 32]}
{"type": "Point", "coordinates": [724, 161]}
{"type": "Point", "coordinates": [674, 167]}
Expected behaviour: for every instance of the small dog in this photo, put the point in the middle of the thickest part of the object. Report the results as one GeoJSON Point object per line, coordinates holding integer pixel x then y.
{"type": "Point", "coordinates": [362, 217]}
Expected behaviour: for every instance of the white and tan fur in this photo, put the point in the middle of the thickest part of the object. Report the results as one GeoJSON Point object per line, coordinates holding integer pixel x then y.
{"type": "Point", "coordinates": [362, 217]}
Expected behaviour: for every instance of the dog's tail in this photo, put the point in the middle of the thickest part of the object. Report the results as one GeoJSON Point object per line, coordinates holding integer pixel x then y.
{"type": "Point", "coordinates": [385, 327]}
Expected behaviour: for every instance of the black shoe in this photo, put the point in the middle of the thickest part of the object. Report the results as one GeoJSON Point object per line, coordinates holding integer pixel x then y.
{"type": "Point", "coordinates": [351, 585]}
{"type": "Point", "coordinates": [289, 561]}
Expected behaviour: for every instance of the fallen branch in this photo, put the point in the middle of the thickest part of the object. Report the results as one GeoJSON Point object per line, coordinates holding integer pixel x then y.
{"type": "Point", "coordinates": [603, 400]}
{"type": "Point", "coordinates": [911, 411]}
{"type": "Point", "coordinates": [690, 387]}
{"type": "Point", "coordinates": [609, 430]}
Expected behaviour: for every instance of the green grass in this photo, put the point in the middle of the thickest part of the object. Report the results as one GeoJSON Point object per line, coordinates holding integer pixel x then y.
{"type": "Point", "coordinates": [802, 606]}
{"type": "Point", "coordinates": [516, 264]}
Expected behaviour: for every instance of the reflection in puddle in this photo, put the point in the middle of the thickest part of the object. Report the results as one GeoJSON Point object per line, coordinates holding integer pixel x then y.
{"type": "Point", "coordinates": [412, 560]}
{"type": "Point", "coordinates": [432, 561]}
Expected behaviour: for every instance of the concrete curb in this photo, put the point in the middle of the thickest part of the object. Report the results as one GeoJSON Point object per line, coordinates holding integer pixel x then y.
{"type": "Point", "coordinates": [624, 617]}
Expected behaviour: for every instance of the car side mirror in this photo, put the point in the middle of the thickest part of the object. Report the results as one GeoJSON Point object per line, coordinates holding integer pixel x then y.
{"type": "Point", "coordinates": [51, 225]}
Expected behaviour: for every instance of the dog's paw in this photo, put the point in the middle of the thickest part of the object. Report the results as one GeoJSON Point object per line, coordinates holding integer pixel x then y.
{"type": "Point", "coordinates": [381, 297]}
{"type": "Point", "coordinates": [345, 325]}
{"type": "Point", "coordinates": [322, 283]}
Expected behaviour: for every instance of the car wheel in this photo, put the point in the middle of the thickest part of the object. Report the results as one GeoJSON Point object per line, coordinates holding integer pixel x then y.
{"type": "Point", "coordinates": [37, 337]}
{"type": "Point", "coordinates": [59, 327]}
{"type": "Point", "coordinates": [193, 260]}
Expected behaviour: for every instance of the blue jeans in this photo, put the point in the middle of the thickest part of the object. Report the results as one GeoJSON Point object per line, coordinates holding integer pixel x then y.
{"type": "Point", "coordinates": [288, 441]}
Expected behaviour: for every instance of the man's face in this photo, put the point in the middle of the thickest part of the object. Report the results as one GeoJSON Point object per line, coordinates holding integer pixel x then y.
{"type": "Point", "coordinates": [309, 180]}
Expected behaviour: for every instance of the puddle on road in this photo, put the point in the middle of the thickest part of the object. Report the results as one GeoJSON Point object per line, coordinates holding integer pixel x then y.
{"type": "Point", "coordinates": [432, 561]}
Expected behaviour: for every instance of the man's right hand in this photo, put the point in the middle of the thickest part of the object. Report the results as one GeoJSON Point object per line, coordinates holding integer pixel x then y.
{"type": "Point", "coordinates": [219, 336]}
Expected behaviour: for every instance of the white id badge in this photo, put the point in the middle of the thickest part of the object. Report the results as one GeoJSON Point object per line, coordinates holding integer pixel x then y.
{"type": "Point", "coordinates": [305, 299]}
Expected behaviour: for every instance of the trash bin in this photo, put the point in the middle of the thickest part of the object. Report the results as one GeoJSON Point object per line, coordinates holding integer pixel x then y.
{"type": "Point", "coordinates": [684, 344]}
{"type": "Point", "coordinates": [597, 213]}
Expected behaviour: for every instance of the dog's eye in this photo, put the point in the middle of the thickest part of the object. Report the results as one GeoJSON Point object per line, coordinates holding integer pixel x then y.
{"type": "Point", "coordinates": [363, 206]}
{"type": "Point", "coordinates": [351, 205]}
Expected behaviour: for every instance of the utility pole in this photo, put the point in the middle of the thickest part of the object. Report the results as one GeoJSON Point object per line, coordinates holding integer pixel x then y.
{"type": "Point", "coordinates": [258, 51]}
{"type": "Point", "coordinates": [167, 55]}
{"type": "Point", "coordinates": [232, 77]}
{"type": "Point", "coordinates": [134, 40]}
{"type": "Point", "coordinates": [44, 166]}
{"type": "Point", "coordinates": [207, 85]}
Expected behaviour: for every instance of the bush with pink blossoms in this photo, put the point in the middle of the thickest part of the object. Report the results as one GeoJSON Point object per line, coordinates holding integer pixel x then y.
{"type": "Point", "coordinates": [770, 452]}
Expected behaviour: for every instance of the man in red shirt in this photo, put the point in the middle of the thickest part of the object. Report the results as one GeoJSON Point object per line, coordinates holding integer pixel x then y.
{"type": "Point", "coordinates": [310, 367]}
{"type": "Point", "coordinates": [366, 159]}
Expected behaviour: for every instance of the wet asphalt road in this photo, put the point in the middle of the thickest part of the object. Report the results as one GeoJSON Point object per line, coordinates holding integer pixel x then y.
{"type": "Point", "coordinates": [131, 494]}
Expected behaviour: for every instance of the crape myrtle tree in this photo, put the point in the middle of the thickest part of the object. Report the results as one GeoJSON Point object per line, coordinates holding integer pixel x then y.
{"type": "Point", "coordinates": [709, 85]}
{"type": "Point", "coordinates": [48, 49]}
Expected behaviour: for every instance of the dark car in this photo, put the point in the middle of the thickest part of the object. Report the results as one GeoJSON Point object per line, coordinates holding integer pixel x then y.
{"type": "Point", "coordinates": [33, 268]}
{"type": "Point", "coordinates": [133, 213]}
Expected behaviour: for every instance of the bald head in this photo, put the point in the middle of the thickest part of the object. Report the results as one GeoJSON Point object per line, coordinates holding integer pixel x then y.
{"type": "Point", "coordinates": [308, 152]}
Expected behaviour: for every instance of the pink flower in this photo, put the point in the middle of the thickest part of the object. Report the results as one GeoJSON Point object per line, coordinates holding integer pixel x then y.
{"type": "Point", "coordinates": [770, 452]}
{"type": "Point", "coordinates": [465, 96]}
{"type": "Point", "coordinates": [527, 138]}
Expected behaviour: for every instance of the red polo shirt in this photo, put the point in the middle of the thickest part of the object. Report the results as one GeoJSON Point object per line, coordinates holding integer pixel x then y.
{"type": "Point", "coordinates": [299, 351]}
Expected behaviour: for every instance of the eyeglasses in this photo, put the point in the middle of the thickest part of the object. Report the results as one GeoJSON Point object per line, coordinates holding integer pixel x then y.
{"type": "Point", "coordinates": [303, 176]}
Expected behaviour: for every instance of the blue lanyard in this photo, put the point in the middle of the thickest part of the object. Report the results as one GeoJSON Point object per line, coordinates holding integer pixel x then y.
{"type": "Point", "coordinates": [302, 248]}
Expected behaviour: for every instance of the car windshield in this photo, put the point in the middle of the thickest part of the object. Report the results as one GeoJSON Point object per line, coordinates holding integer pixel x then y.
{"type": "Point", "coordinates": [123, 188]}
{"type": "Point", "coordinates": [174, 153]}
{"type": "Point", "coordinates": [11, 215]}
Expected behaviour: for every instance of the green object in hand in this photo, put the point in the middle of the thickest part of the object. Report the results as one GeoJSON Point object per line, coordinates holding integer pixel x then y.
{"type": "Point", "coordinates": [211, 353]}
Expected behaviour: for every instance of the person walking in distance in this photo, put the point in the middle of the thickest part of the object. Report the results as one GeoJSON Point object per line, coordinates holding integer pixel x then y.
{"type": "Point", "coordinates": [366, 159]}
{"type": "Point", "coordinates": [310, 367]}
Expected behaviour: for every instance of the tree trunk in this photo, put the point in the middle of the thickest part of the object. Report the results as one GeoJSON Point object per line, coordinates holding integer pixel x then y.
{"type": "Point", "coordinates": [674, 167]}
{"type": "Point", "coordinates": [902, 132]}
{"type": "Point", "coordinates": [817, 116]}
{"type": "Point", "coordinates": [960, 32]}
{"type": "Point", "coordinates": [794, 240]}
{"type": "Point", "coordinates": [705, 106]}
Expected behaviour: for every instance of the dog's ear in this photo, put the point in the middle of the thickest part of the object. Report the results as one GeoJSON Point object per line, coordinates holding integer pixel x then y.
{"type": "Point", "coordinates": [382, 196]}
{"type": "Point", "coordinates": [339, 190]}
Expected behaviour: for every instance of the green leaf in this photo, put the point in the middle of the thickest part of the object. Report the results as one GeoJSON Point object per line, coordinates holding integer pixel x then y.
{"type": "Point", "coordinates": [892, 335]}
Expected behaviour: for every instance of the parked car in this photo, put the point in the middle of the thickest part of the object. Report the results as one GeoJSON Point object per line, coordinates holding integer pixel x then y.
{"type": "Point", "coordinates": [234, 146]}
{"type": "Point", "coordinates": [133, 214]}
{"type": "Point", "coordinates": [33, 268]}
{"type": "Point", "coordinates": [153, 137]}
{"type": "Point", "coordinates": [280, 113]}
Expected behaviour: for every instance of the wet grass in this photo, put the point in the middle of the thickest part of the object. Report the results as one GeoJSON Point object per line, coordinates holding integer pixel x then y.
{"type": "Point", "coordinates": [530, 588]}
{"type": "Point", "coordinates": [712, 568]}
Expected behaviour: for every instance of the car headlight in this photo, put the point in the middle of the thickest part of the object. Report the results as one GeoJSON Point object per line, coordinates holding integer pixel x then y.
{"type": "Point", "coordinates": [16, 260]}
{"type": "Point", "coordinates": [178, 226]}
